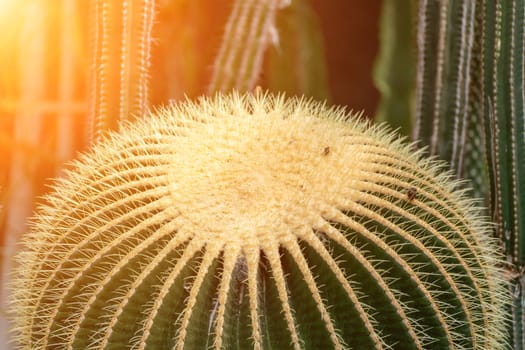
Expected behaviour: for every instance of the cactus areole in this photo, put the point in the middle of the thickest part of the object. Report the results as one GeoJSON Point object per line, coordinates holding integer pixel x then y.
{"type": "Point", "coordinates": [256, 222]}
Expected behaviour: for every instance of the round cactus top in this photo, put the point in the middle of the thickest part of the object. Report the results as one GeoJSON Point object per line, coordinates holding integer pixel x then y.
{"type": "Point", "coordinates": [256, 221]}
{"type": "Point", "coordinates": [262, 171]}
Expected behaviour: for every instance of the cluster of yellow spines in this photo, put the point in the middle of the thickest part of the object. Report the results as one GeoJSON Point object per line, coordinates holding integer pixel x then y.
{"type": "Point", "coordinates": [257, 221]}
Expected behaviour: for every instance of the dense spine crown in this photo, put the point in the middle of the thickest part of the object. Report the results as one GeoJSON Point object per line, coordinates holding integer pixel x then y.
{"type": "Point", "coordinates": [256, 222]}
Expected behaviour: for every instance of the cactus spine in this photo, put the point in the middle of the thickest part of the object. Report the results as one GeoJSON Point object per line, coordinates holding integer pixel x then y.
{"type": "Point", "coordinates": [257, 222]}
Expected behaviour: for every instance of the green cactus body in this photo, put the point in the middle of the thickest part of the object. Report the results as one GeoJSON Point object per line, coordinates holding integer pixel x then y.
{"type": "Point", "coordinates": [255, 221]}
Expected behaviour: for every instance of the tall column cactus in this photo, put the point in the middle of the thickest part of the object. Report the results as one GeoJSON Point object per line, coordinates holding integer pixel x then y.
{"type": "Point", "coordinates": [296, 62]}
{"type": "Point", "coordinates": [448, 96]}
{"type": "Point", "coordinates": [120, 57]}
{"type": "Point", "coordinates": [257, 222]}
{"type": "Point", "coordinates": [248, 32]}
{"type": "Point", "coordinates": [471, 112]}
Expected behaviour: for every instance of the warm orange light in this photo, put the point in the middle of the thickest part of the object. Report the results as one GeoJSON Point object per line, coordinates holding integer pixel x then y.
{"type": "Point", "coordinates": [7, 7]}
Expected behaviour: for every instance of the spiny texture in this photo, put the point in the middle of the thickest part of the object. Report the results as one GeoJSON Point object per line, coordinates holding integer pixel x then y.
{"type": "Point", "coordinates": [244, 222]}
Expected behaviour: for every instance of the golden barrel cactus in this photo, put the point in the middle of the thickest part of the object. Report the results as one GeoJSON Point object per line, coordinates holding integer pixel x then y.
{"type": "Point", "coordinates": [256, 221]}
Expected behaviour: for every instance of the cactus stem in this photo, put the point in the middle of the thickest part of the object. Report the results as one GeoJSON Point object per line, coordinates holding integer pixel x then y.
{"type": "Point", "coordinates": [257, 222]}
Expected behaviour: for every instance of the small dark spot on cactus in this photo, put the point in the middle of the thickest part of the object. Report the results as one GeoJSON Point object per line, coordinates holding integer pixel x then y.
{"type": "Point", "coordinates": [411, 193]}
{"type": "Point", "coordinates": [326, 151]}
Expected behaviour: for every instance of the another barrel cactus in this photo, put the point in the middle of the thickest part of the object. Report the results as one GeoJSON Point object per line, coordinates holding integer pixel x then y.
{"type": "Point", "coordinates": [262, 222]}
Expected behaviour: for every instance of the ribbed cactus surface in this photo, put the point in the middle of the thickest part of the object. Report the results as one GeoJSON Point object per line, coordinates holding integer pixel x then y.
{"type": "Point", "coordinates": [256, 221]}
